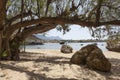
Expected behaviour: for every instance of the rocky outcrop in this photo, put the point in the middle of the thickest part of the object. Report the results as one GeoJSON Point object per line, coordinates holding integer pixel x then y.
{"type": "Point", "coordinates": [113, 46]}
{"type": "Point", "coordinates": [66, 49]}
{"type": "Point", "coordinates": [93, 57]}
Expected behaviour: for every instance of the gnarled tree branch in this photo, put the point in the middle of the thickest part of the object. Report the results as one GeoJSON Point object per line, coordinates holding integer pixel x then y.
{"type": "Point", "coordinates": [19, 16]}
{"type": "Point", "coordinates": [35, 29]}
{"type": "Point", "coordinates": [57, 20]}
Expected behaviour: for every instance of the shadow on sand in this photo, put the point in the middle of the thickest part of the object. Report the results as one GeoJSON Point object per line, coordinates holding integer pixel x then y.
{"type": "Point", "coordinates": [33, 76]}
{"type": "Point", "coordinates": [115, 71]}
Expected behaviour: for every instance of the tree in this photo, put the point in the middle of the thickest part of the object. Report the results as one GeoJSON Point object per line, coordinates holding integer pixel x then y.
{"type": "Point", "coordinates": [20, 18]}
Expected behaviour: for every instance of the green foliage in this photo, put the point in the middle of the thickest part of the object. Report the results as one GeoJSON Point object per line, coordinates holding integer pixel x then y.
{"type": "Point", "coordinates": [86, 11]}
{"type": "Point", "coordinates": [114, 34]}
{"type": "Point", "coordinates": [14, 45]}
{"type": "Point", "coordinates": [9, 3]}
{"type": "Point", "coordinates": [42, 5]}
{"type": "Point", "coordinates": [4, 54]}
{"type": "Point", "coordinates": [64, 28]}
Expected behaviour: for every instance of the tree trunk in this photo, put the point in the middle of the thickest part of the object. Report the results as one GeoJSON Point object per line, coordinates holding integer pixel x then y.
{"type": "Point", "coordinates": [9, 49]}
{"type": "Point", "coordinates": [5, 49]}
{"type": "Point", "coordinates": [4, 41]}
{"type": "Point", "coordinates": [14, 48]}
{"type": "Point", "coordinates": [0, 44]}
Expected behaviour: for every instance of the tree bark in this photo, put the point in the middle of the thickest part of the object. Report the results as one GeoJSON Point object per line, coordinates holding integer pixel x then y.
{"type": "Point", "coordinates": [35, 29]}
{"type": "Point", "coordinates": [0, 44]}
{"type": "Point", "coordinates": [1, 24]}
{"type": "Point", "coordinates": [6, 54]}
{"type": "Point", "coordinates": [4, 41]}
{"type": "Point", "coordinates": [14, 48]}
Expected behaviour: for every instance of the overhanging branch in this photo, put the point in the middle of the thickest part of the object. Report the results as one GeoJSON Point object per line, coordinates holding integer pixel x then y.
{"type": "Point", "coordinates": [19, 16]}
{"type": "Point", "coordinates": [57, 20]}
{"type": "Point", "coordinates": [35, 29]}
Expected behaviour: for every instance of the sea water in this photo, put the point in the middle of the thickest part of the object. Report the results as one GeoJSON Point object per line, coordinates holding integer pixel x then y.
{"type": "Point", "coordinates": [75, 46]}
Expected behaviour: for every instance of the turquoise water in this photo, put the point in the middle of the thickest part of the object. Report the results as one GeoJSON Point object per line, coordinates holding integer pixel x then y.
{"type": "Point", "coordinates": [75, 46]}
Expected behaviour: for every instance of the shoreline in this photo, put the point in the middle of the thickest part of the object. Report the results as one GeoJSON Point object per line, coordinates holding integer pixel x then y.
{"type": "Point", "coordinates": [108, 54]}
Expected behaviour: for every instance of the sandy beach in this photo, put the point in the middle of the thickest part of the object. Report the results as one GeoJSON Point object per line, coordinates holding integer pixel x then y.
{"type": "Point", "coordinates": [44, 64]}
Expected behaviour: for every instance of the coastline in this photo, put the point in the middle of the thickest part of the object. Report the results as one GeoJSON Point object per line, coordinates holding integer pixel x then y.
{"type": "Point", "coordinates": [51, 64]}
{"type": "Point", "coordinates": [108, 54]}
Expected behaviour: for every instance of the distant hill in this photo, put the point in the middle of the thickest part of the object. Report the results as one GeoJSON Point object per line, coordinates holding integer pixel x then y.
{"type": "Point", "coordinates": [47, 38]}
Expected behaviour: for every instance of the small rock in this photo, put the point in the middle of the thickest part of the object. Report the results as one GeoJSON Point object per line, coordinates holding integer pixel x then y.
{"type": "Point", "coordinates": [66, 49]}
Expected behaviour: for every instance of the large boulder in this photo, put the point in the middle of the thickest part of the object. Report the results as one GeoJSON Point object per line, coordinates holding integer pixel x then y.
{"type": "Point", "coordinates": [80, 56]}
{"type": "Point", "coordinates": [97, 61]}
{"type": "Point", "coordinates": [66, 49]}
{"type": "Point", "coordinates": [93, 57]}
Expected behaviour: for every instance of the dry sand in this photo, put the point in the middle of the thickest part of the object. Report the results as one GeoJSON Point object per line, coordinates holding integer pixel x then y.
{"type": "Point", "coordinates": [42, 64]}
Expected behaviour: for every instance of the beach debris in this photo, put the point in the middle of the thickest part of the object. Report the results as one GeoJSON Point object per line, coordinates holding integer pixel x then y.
{"type": "Point", "coordinates": [92, 57]}
{"type": "Point", "coordinates": [66, 49]}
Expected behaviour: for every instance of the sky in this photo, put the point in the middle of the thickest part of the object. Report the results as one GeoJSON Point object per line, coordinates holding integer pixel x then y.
{"type": "Point", "coordinates": [76, 33]}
